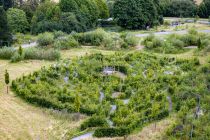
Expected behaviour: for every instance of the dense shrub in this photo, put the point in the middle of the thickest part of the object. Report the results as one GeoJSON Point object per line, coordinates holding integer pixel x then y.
{"type": "Point", "coordinates": [103, 9]}
{"type": "Point", "coordinates": [67, 42]}
{"type": "Point", "coordinates": [6, 52]}
{"type": "Point", "coordinates": [176, 43]}
{"type": "Point", "coordinates": [5, 36]}
{"type": "Point", "coordinates": [95, 38]}
{"type": "Point", "coordinates": [131, 40]}
{"type": "Point", "coordinates": [125, 11]}
{"type": "Point", "coordinates": [59, 34]}
{"type": "Point", "coordinates": [204, 9]}
{"type": "Point", "coordinates": [46, 18]}
{"type": "Point", "coordinates": [95, 121]}
{"type": "Point", "coordinates": [111, 132]}
{"type": "Point", "coordinates": [45, 39]}
{"type": "Point", "coordinates": [17, 20]}
{"type": "Point", "coordinates": [99, 37]}
{"type": "Point", "coordinates": [77, 85]}
{"type": "Point", "coordinates": [180, 8]}
{"type": "Point", "coordinates": [151, 42]}
{"type": "Point", "coordinates": [41, 54]}
{"type": "Point", "coordinates": [17, 57]}
{"type": "Point", "coordinates": [70, 23]}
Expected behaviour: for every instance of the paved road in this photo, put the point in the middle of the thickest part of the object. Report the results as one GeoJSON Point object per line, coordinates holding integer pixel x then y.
{"type": "Point", "coordinates": [170, 32]}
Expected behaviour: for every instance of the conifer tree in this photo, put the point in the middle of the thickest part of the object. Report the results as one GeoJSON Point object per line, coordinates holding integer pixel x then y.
{"type": "Point", "coordinates": [7, 80]}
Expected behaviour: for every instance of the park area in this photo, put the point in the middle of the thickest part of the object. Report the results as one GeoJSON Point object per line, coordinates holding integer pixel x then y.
{"type": "Point", "coordinates": [82, 70]}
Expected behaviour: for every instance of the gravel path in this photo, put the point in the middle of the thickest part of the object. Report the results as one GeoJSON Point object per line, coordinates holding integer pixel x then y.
{"type": "Point", "coordinates": [85, 136]}
{"type": "Point", "coordinates": [29, 45]}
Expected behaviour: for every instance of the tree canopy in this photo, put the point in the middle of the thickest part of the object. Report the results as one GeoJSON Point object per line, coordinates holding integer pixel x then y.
{"type": "Point", "coordinates": [5, 36]}
{"type": "Point", "coordinates": [17, 20]}
{"type": "Point", "coordinates": [135, 14]}
{"type": "Point", "coordinates": [204, 9]}
{"type": "Point", "coordinates": [179, 8]}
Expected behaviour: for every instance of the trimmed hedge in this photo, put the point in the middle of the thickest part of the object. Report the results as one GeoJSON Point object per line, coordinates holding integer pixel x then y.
{"type": "Point", "coordinates": [95, 121]}
{"type": "Point", "coordinates": [111, 132]}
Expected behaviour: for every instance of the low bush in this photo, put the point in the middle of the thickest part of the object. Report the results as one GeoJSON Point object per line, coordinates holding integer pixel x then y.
{"type": "Point", "coordinates": [95, 38]}
{"type": "Point", "coordinates": [131, 40]}
{"type": "Point", "coordinates": [102, 38]}
{"type": "Point", "coordinates": [58, 34]}
{"type": "Point", "coordinates": [41, 54]}
{"type": "Point", "coordinates": [17, 57]}
{"type": "Point", "coordinates": [45, 39]}
{"type": "Point", "coordinates": [6, 52]}
{"type": "Point", "coordinates": [111, 132]}
{"type": "Point", "coordinates": [176, 43]}
{"type": "Point", "coordinates": [95, 121]}
{"type": "Point", "coordinates": [151, 42]}
{"type": "Point", "coordinates": [66, 43]}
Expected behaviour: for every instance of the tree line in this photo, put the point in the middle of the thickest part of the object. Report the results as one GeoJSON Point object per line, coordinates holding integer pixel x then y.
{"type": "Point", "coordinates": [37, 16]}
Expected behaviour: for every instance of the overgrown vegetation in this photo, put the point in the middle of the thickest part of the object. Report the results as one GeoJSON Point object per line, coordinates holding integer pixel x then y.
{"type": "Point", "coordinates": [98, 37]}
{"type": "Point", "coordinates": [129, 97]}
{"type": "Point", "coordinates": [29, 53]}
{"type": "Point", "coordinates": [125, 11]}
{"type": "Point", "coordinates": [177, 43]}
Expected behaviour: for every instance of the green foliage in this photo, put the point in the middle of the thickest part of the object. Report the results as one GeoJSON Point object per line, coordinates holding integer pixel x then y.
{"type": "Point", "coordinates": [29, 8]}
{"type": "Point", "coordinates": [20, 50]}
{"type": "Point", "coordinates": [135, 14]}
{"type": "Point", "coordinates": [5, 36]}
{"type": "Point", "coordinates": [29, 53]}
{"type": "Point", "coordinates": [95, 121]}
{"type": "Point", "coordinates": [79, 15]}
{"type": "Point", "coordinates": [6, 52]}
{"type": "Point", "coordinates": [17, 57]}
{"type": "Point", "coordinates": [95, 38]}
{"type": "Point", "coordinates": [70, 23]}
{"type": "Point", "coordinates": [111, 132]}
{"type": "Point", "coordinates": [46, 18]}
{"type": "Point", "coordinates": [68, 15]}
{"type": "Point", "coordinates": [204, 9]}
{"type": "Point", "coordinates": [131, 41]}
{"type": "Point", "coordinates": [77, 102]}
{"type": "Point", "coordinates": [103, 9]}
{"type": "Point", "coordinates": [6, 75]}
{"type": "Point", "coordinates": [180, 8]}
{"type": "Point", "coordinates": [58, 34]}
{"type": "Point", "coordinates": [67, 42]}
{"type": "Point", "coordinates": [108, 40]}
{"type": "Point", "coordinates": [17, 20]}
{"type": "Point", "coordinates": [176, 43]}
{"type": "Point", "coordinates": [69, 6]}
{"type": "Point", "coordinates": [6, 4]}
{"type": "Point", "coordinates": [41, 54]}
{"type": "Point", "coordinates": [45, 39]}
{"type": "Point", "coordinates": [76, 86]}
